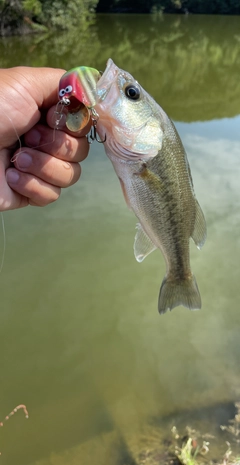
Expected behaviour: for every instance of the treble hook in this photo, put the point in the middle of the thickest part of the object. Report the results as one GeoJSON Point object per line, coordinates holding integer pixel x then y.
{"type": "Point", "coordinates": [93, 133]}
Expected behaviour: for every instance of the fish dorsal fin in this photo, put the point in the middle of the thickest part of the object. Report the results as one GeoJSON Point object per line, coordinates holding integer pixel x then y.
{"type": "Point", "coordinates": [200, 229]}
{"type": "Point", "coordinates": [143, 246]}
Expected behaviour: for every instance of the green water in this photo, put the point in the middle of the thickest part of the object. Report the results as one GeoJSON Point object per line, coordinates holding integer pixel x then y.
{"type": "Point", "coordinates": [81, 341]}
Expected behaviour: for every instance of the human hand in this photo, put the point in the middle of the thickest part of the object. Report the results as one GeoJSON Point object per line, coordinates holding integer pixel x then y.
{"type": "Point", "coordinates": [48, 159]}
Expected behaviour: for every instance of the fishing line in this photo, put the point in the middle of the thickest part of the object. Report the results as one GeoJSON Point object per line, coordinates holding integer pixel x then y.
{"type": "Point", "coordinates": [59, 115]}
{"type": "Point", "coordinates": [2, 217]}
{"type": "Point", "coordinates": [4, 242]}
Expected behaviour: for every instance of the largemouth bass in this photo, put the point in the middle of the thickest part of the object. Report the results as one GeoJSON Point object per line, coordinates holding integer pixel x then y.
{"type": "Point", "coordinates": [151, 164]}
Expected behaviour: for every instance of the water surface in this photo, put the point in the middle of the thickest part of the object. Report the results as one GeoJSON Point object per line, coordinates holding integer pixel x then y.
{"type": "Point", "coordinates": [82, 344]}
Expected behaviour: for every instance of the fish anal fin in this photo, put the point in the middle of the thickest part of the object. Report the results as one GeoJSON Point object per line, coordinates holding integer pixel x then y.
{"type": "Point", "coordinates": [143, 245]}
{"type": "Point", "coordinates": [199, 233]}
{"type": "Point", "coordinates": [179, 292]}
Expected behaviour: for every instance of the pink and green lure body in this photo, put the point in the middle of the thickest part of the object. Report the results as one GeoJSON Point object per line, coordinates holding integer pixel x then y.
{"type": "Point", "coordinates": [79, 83]}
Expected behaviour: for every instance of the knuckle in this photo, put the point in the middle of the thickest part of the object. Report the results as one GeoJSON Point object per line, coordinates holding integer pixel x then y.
{"type": "Point", "coordinates": [53, 196]}
{"type": "Point", "coordinates": [76, 173]}
{"type": "Point", "coordinates": [73, 176]}
{"type": "Point", "coordinates": [41, 195]}
{"type": "Point", "coordinates": [83, 149]}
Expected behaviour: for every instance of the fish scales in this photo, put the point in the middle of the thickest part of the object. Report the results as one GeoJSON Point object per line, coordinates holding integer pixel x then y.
{"type": "Point", "coordinates": [151, 164]}
{"type": "Point", "coordinates": [162, 212]}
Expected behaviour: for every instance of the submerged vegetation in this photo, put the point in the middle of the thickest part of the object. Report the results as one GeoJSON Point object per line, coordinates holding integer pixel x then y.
{"type": "Point", "coordinates": [193, 449]}
{"type": "Point", "coordinates": [15, 410]}
{"type": "Point", "coordinates": [187, 446]}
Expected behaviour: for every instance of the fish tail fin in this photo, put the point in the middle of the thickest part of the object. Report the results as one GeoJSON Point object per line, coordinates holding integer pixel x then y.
{"type": "Point", "coordinates": [179, 292]}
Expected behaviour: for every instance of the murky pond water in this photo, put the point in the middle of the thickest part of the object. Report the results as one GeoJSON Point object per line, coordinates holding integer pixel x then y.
{"type": "Point", "coordinates": [81, 341]}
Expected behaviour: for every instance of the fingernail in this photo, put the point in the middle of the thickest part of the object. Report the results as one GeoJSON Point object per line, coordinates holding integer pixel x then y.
{"type": "Point", "coordinates": [12, 176]}
{"type": "Point", "coordinates": [24, 160]}
{"type": "Point", "coordinates": [33, 137]}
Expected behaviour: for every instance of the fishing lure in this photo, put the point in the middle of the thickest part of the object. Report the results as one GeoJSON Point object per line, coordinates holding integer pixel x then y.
{"type": "Point", "coordinates": [77, 93]}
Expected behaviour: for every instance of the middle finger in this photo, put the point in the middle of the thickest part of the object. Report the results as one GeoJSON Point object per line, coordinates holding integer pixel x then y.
{"type": "Point", "coordinates": [57, 143]}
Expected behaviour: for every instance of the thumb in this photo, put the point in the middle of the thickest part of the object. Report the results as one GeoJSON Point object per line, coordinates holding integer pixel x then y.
{"type": "Point", "coordinates": [41, 83]}
{"type": "Point", "coordinates": [24, 92]}
{"type": "Point", "coordinates": [37, 84]}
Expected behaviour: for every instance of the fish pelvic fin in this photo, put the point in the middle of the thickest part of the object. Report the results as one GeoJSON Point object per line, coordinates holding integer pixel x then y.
{"type": "Point", "coordinates": [179, 292]}
{"type": "Point", "coordinates": [199, 233]}
{"type": "Point", "coordinates": [143, 245]}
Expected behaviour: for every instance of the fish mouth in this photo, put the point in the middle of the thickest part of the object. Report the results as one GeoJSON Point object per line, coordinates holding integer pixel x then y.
{"type": "Point", "coordinates": [106, 80]}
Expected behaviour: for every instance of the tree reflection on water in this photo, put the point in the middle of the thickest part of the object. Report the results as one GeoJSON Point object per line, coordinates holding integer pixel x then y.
{"type": "Point", "coordinates": [189, 66]}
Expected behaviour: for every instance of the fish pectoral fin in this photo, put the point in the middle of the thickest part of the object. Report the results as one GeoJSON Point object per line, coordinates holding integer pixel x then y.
{"type": "Point", "coordinates": [143, 245]}
{"type": "Point", "coordinates": [200, 229]}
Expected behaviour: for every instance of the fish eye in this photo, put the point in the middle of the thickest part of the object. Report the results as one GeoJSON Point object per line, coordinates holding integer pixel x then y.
{"type": "Point", "coordinates": [68, 89]}
{"type": "Point", "coordinates": [132, 92]}
{"type": "Point", "coordinates": [61, 93]}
